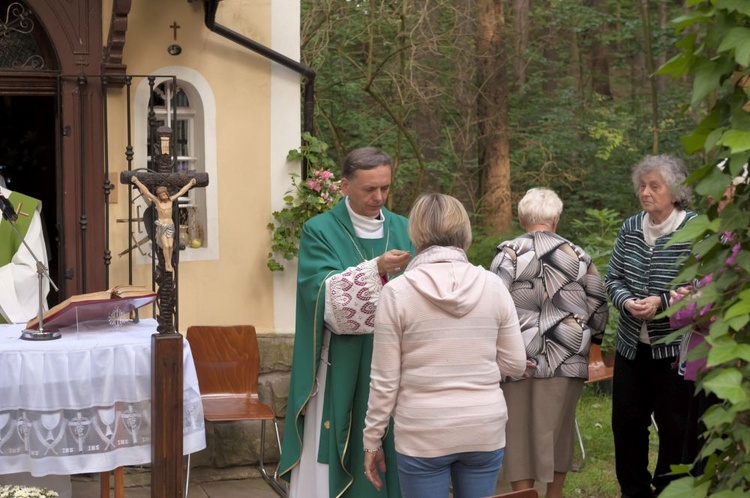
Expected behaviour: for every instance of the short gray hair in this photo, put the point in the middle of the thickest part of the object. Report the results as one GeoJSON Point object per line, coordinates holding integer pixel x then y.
{"type": "Point", "coordinates": [539, 205]}
{"type": "Point", "coordinates": [672, 170]}
{"type": "Point", "coordinates": [365, 158]}
{"type": "Point", "coordinates": [439, 220]}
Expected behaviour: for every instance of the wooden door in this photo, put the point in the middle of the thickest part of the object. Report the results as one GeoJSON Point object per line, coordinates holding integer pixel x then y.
{"type": "Point", "coordinates": [49, 65]}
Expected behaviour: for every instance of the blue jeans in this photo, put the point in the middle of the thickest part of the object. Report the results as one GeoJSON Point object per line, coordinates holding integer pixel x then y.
{"type": "Point", "coordinates": [474, 474]}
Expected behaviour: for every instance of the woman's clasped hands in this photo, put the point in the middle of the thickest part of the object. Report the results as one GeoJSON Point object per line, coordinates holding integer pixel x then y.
{"type": "Point", "coordinates": [645, 308]}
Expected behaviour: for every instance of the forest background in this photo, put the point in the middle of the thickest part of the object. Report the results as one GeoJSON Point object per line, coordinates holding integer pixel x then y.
{"type": "Point", "coordinates": [484, 99]}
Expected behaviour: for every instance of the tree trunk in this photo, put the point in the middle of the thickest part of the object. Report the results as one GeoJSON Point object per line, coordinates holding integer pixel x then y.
{"type": "Point", "coordinates": [661, 59]}
{"type": "Point", "coordinates": [600, 59]}
{"type": "Point", "coordinates": [644, 9]}
{"type": "Point", "coordinates": [521, 35]}
{"type": "Point", "coordinates": [492, 109]}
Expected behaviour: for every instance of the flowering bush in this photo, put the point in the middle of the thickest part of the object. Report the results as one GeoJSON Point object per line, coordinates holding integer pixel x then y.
{"type": "Point", "coordinates": [316, 194]}
{"type": "Point", "coordinates": [12, 491]}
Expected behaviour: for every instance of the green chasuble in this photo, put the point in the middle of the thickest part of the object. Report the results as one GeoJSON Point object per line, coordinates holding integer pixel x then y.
{"type": "Point", "coordinates": [328, 246]}
{"type": "Point", "coordinates": [9, 241]}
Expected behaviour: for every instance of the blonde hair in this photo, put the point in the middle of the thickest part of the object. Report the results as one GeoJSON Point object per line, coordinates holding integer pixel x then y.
{"type": "Point", "coordinates": [439, 220]}
{"type": "Point", "coordinates": [539, 205]}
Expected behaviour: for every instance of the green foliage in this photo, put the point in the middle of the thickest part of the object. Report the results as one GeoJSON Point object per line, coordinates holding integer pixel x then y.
{"type": "Point", "coordinates": [484, 244]}
{"type": "Point", "coordinates": [716, 53]}
{"type": "Point", "coordinates": [317, 194]}
{"type": "Point", "coordinates": [596, 476]}
{"type": "Point", "coordinates": [596, 234]}
{"type": "Point", "coordinates": [405, 80]}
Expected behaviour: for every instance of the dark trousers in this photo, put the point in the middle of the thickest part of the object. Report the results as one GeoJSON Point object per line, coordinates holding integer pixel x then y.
{"type": "Point", "coordinates": [641, 387]}
{"type": "Point", "coordinates": [694, 440]}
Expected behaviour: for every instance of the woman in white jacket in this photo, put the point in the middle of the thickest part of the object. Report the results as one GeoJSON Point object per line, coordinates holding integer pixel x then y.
{"type": "Point", "coordinates": [445, 334]}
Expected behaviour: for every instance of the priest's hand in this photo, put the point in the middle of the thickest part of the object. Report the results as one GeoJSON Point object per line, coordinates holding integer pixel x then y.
{"type": "Point", "coordinates": [393, 261]}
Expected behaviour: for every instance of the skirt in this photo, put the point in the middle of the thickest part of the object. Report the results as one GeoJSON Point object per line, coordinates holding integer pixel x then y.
{"type": "Point", "coordinates": [541, 427]}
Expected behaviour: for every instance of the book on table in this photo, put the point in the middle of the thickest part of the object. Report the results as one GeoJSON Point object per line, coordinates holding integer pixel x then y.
{"type": "Point", "coordinates": [111, 305]}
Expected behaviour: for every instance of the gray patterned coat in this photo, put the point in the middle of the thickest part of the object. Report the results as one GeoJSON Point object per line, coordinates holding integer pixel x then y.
{"type": "Point", "coordinates": [560, 300]}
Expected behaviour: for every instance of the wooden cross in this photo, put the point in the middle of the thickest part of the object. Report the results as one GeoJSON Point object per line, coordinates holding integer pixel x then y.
{"type": "Point", "coordinates": [166, 346]}
{"type": "Point", "coordinates": [162, 187]}
{"type": "Point", "coordinates": [175, 27]}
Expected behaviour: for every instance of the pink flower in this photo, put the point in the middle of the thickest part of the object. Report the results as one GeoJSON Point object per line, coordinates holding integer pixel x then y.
{"type": "Point", "coordinates": [732, 257]}
{"type": "Point", "coordinates": [313, 185]}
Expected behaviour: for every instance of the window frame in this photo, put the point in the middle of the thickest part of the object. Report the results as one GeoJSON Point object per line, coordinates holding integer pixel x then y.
{"type": "Point", "coordinates": [203, 106]}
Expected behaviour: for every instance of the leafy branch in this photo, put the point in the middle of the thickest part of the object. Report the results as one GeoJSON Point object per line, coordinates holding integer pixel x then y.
{"type": "Point", "coordinates": [318, 193]}
{"type": "Point", "coordinates": [715, 52]}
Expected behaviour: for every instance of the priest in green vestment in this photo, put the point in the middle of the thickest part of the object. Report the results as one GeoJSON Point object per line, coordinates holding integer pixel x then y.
{"type": "Point", "coordinates": [346, 256]}
{"type": "Point", "coordinates": [19, 281]}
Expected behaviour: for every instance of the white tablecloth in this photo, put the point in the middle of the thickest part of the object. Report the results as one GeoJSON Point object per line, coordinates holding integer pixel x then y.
{"type": "Point", "coordinates": [82, 403]}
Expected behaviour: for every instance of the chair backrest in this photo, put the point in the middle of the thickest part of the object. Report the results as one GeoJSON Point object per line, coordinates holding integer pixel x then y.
{"type": "Point", "coordinates": [598, 370]}
{"type": "Point", "coordinates": [226, 358]}
{"type": "Point", "coordinates": [524, 493]}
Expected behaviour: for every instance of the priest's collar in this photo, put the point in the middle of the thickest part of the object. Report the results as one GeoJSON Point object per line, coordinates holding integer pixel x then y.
{"type": "Point", "coordinates": [366, 227]}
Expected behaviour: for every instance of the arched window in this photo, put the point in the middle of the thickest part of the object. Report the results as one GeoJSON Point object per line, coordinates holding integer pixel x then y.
{"type": "Point", "coordinates": [189, 109]}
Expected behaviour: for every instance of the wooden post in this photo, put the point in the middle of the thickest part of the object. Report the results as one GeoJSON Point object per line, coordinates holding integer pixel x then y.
{"type": "Point", "coordinates": [104, 484]}
{"type": "Point", "coordinates": [119, 482]}
{"type": "Point", "coordinates": [166, 414]}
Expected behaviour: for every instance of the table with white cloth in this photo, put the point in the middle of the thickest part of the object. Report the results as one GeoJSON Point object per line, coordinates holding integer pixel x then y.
{"type": "Point", "coordinates": [82, 403]}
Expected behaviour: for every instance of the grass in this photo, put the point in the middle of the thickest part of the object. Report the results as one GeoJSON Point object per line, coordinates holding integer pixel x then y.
{"type": "Point", "coordinates": [596, 476]}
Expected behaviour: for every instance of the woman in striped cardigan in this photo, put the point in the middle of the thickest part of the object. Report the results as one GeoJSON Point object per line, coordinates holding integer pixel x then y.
{"type": "Point", "coordinates": [639, 280]}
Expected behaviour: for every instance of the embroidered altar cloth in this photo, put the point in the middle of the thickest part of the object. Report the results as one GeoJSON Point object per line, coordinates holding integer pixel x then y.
{"type": "Point", "coordinates": [82, 403]}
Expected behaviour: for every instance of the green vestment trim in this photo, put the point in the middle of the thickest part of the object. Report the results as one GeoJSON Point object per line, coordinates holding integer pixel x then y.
{"type": "Point", "coordinates": [326, 248]}
{"type": "Point", "coordinates": [9, 241]}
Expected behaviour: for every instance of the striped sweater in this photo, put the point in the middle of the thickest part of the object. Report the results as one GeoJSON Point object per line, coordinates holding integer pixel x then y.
{"type": "Point", "coordinates": [637, 270]}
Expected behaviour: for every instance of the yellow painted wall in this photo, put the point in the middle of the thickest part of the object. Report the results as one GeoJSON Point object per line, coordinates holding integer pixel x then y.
{"type": "Point", "coordinates": [236, 288]}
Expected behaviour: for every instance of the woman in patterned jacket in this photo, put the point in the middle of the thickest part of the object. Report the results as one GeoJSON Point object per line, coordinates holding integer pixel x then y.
{"type": "Point", "coordinates": [562, 307]}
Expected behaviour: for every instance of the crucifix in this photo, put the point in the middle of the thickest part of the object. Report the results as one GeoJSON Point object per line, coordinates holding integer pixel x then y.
{"type": "Point", "coordinates": [175, 27]}
{"type": "Point", "coordinates": [162, 186]}
{"type": "Point", "coordinates": [162, 183]}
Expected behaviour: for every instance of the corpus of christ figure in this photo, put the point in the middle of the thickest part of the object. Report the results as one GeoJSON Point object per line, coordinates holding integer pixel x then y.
{"type": "Point", "coordinates": [165, 228]}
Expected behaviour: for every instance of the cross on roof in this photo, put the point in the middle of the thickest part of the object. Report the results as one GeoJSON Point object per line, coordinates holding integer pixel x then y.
{"type": "Point", "coordinates": [175, 27]}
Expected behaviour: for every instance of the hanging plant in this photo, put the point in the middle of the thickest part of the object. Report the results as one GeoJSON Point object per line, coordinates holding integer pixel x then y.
{"type": "Point", "coordinates": [318, 193]}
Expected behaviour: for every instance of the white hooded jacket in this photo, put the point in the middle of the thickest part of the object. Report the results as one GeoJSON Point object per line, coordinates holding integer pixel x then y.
{"type": "Point", "coordinates": [443, 335]}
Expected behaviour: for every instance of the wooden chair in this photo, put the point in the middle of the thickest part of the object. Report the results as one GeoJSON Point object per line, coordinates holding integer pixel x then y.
{"type": "Point", "coordinates": [524, 493]}
{"type": "Point", "coordinates": [227, 362]}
